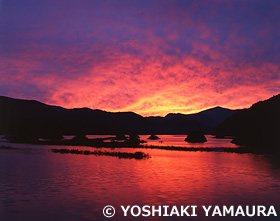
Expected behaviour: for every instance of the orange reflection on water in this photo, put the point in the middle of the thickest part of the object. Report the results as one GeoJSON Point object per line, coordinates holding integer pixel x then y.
{"type": "Point", "coordinates": [82, 185]}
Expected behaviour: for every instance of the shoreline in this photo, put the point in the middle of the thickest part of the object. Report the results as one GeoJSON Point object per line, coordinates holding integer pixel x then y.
{"type": "Point", "coordinates": [239, 150]}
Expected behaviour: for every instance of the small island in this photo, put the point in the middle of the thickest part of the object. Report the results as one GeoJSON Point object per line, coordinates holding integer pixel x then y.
{"type": "Point", "coordinates": [196, 137]}
{"type": "Point", "coordinates": [153, 137]}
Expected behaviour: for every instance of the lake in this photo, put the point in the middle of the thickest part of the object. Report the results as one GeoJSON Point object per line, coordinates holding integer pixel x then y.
{"type": "Point", "coordinates": [37, 184]}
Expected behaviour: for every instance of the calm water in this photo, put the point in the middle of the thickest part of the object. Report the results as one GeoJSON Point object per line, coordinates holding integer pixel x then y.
{"type": "Point", "coordinates": [178, 140]}
{"type": "Point", "coordinates": [36, 184]}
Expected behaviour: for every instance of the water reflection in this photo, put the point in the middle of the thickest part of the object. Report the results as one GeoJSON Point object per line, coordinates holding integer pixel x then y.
{"type": "Point", "coordinates": [39, 184]}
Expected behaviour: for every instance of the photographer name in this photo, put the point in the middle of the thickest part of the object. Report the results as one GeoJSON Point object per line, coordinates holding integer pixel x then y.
{"type": "Point", "coordinates": [191, 210]}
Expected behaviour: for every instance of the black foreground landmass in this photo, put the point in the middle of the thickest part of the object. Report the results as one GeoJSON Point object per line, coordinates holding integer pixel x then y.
{"type": "Point", "coordinates": [257, 127]}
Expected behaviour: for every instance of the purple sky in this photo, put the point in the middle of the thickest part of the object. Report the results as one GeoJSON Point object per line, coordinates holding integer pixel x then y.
{"type": "Point", "coordinates": [150, 57]}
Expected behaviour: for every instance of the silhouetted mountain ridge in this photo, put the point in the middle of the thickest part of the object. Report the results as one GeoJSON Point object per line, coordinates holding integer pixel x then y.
{"type": "Point", "coordinates": [256, 126]}
{"type": "Point", "coordinates": [209, 117]}
{"type": "Point", "coordinates": [35, 118]}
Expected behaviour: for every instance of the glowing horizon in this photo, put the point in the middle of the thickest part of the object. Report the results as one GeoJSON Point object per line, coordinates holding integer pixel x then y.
{"type": "Point", "coordinates": [149, 57]}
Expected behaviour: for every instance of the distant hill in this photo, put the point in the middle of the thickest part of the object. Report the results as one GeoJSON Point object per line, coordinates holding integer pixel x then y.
{"type": "Point", "coordinates": [29, 117]}
{"type": "Point", "coordinates": [184, 123]}
{"type": "Point", "coordinates": [257, 126]}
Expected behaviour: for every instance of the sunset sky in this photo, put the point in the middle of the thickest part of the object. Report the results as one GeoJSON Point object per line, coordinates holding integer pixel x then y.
{"type": "Point", "coordinates": [152, 57]}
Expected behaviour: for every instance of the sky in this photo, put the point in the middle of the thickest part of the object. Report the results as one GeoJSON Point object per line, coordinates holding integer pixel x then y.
{"type": "Point", "coordinates": [151, 57]}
